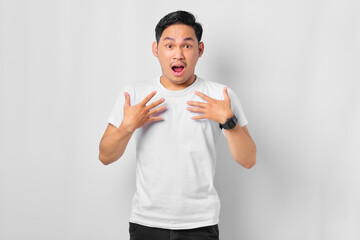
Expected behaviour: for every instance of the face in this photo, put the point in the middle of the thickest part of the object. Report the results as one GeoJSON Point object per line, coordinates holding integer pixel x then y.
{"type": "Point", "coordinates": [178, 52]}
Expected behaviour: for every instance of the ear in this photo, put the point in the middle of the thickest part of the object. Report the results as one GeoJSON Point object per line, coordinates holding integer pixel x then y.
{"type": "Point", "coordinates": [201, 48]}
{"type": "Point", "coordinates": [154, 48]}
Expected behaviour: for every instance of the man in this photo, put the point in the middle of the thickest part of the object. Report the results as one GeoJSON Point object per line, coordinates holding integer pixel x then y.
{"type": "Point", "coordinates": [176, 119]}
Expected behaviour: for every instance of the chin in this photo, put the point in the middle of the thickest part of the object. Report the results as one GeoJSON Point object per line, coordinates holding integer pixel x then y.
{"type": "Point", "coordinates": [179, 81]}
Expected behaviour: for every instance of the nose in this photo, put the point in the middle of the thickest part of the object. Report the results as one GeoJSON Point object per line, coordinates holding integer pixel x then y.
{"type": "Point", "coordinates": [179, 53]}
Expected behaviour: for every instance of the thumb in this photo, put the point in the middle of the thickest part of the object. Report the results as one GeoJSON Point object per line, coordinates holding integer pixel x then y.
{"type": "Point", "coordinates": [226, 95]}
{"type": "Point", "coordinates": [127, 99]}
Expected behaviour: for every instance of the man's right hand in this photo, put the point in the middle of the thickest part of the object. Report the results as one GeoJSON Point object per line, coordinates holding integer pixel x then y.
{"type": "Point", "coordinates": [138, 115]}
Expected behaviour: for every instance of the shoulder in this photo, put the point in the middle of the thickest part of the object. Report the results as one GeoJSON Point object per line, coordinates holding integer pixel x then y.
{"type": "Point", "coordinates": [216, 88]}
{"type": "Point", "coordinates": [138, 89]}
{"type": "Point", "coordinates": [212, 84]}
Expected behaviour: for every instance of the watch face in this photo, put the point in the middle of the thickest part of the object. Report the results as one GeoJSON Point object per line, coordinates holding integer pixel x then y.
{"type": "Point", "coordinates": [230, 123]}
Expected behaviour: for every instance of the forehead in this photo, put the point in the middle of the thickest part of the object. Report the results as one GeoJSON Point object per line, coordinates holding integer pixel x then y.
{"type": "Point", "coordinates": [178, 32]}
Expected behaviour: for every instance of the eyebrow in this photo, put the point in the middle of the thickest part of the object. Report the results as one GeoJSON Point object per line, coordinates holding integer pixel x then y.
{"type": "Point", "coordinates": [185, 39]}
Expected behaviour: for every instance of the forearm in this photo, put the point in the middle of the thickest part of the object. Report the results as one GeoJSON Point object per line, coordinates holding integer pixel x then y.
{"type": "Point", "coordinates": [242, 147]}
{"type": "Point", "coordinates": [113, 146]}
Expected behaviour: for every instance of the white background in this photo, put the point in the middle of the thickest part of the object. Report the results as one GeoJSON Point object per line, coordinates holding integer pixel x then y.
{"type": "Point", "coordinates": [293, 64]}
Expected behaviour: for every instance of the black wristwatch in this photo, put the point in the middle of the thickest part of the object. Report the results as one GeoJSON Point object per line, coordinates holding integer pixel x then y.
{"type": "Point", "coordinates": [230, 123]}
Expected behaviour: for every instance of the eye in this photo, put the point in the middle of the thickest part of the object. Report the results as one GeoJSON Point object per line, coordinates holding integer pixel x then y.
{"type": "Point", "coordinates": [187, 46]}
{"type": "Point", "coordinates": [168, 45]}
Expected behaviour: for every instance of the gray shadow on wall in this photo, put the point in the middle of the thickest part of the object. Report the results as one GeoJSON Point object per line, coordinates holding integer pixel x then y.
{"type": "Point", "coordinates": [227, 181]}
{"type": "Point", "coordinates": [226, 68]}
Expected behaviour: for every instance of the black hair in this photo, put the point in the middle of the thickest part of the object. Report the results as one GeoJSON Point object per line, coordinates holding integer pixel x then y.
{"type": "Point", "coordinates": [178, 17]}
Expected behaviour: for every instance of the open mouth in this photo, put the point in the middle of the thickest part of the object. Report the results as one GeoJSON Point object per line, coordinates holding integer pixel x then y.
{"type": "Point", "coordinates": [178, 70]}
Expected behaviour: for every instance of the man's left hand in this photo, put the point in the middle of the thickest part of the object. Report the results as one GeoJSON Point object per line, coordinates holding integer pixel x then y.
{"type": "Point", "coordinates": [216, 110]}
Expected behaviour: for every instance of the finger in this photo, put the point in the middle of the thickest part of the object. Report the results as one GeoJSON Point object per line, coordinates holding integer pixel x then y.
{"type": "Point", "coordinates": [196, 109]}
{"type": "Point", "coordinates": [154, 104]}
{"type": "Point", "coordinates": [201, 116]}
{"type": "Point", "coordinates": [207, 98]}
{"type": "Point", "coordinates": [127, 99]}
{"type": "Point", "coordinates": [148, 97]}
{"type": "Point", "coordinates": [156, 110]}
{"type": "Point", "coordinates": [154, 119]}
{"type": "Point", "coordinates": [226, 95]}
{"type": "Point", "coordinates": [195, 103]}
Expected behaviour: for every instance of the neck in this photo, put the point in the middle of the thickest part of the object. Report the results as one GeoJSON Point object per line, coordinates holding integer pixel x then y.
{"type": "Point", "coordinates": [177, 86]}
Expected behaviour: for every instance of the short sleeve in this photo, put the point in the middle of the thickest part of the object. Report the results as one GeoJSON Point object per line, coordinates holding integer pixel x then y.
{"type": "Point", "coordinates": [236, 108]}
{"type": "Point", "coordinates": [117, 114]}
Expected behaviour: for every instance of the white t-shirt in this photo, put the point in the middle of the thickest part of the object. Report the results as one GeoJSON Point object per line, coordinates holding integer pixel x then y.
{"type": "Point", "coordinates": [175, 157]}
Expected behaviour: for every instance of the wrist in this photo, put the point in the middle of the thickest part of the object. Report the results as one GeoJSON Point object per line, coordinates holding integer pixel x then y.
{"type": "Point", "coordinates": [226, 117]}
{"type": "Point", "coordinates": [126, 127]}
